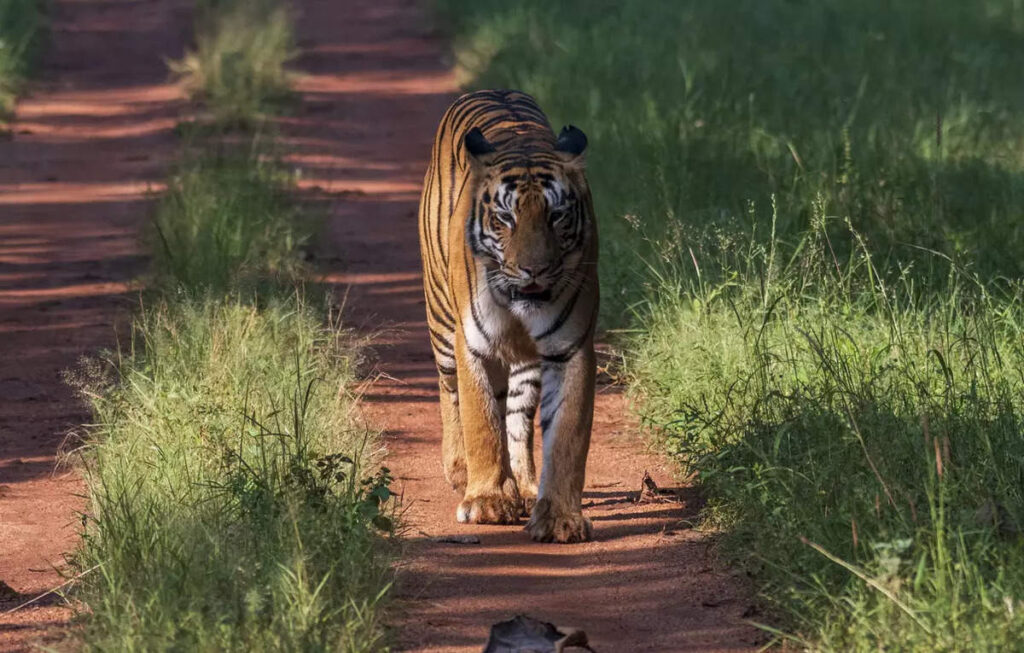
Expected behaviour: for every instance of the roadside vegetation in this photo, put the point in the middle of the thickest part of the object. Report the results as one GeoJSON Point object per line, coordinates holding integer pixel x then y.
{"type": "Point", "coordinates": [21, 29]}
{"type": "Point", "coordinates": [236, 68]}
{"type": "Point", "coordinates": [236, 500]}
{"type": "Point", "coordinates": [816, 248]}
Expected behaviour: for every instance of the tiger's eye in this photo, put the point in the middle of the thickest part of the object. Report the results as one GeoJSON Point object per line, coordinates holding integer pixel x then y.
{"type": "Point", "coordinates": [500, 220]}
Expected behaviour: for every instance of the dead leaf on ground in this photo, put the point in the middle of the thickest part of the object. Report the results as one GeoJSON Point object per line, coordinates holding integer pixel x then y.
{"type": "Point", "coordinates": [649, 491]}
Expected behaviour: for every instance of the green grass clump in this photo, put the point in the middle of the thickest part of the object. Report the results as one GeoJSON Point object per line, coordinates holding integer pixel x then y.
{"type": "Point", "coordinates": [859, 440]}
{"type": "Point", "coordinates": [810, 218]}
{"type": "Point", "coordinates": [228, 510]}
{"type": "Point", "coordinates": [237, 66]}
{"type": "Point", "coordinates": [21, 25]}
{"type": "Point", "coordinates": [227, 221]}
{"type": "Point", "coordinates": [228, 506]}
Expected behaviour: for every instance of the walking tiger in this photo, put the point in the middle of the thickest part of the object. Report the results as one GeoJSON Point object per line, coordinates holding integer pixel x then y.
{"type": "Point", "coordinates": [509, 246]}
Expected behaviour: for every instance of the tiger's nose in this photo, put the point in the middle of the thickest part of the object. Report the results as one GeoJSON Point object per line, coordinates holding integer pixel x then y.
{"type": "Point", "coordinates": [533, 272]}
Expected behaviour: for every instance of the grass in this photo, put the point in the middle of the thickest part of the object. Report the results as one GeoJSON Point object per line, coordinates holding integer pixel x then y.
{"type": "Point", "coordinates": [236, 502]}
{"type": "Point", "coordinates": [816, 254]}
{"type": "Point", "coordinates": [226, 221]}
{"type": "Point", "coordinates": [716, 108]}
{"type": "Point", "coordinates": [236, 68]}
{"type": "Point", "coordinates": [21, 28]}
{"type": "Point", "coordinates": [860, 440]}
{"type": "Point", "coordinates": [228, 507]}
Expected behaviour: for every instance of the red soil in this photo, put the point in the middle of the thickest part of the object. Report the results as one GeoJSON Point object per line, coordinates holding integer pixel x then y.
{"type": "Point", "coordinates": [87, 144]}
{"type": "Point", "coordinates": [378, 80]}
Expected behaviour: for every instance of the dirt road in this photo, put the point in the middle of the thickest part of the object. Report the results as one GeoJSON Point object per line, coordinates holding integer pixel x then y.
{"type": "Point", "coordinates": [378, 81]}
{"type": "Point", "coordinates": [87, 144]}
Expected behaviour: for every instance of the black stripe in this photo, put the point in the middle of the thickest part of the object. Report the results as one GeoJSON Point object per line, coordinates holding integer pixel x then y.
{"type": "Point", "coordinates": [562, 317]}
{"type": "Point", "coordinates": [522, 391]}
{"type": "Point", "coordinates": [533, 383]}
{"type": "Point", "coordinates": [567, 353]}
{"type": "Point", "coordinates": [476, 352]}
{"type": "Point", "coordinates": [448, 349]}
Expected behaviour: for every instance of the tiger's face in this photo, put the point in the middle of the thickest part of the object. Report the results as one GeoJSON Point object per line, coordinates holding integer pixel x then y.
{"type": "Point", "coordinates": [529, 220]}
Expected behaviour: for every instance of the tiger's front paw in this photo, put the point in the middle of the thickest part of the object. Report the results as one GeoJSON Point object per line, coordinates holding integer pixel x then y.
{"type": "Point", "coordinates": [497, 506]}
{"type": "Point", "coordinates": [550, 525]}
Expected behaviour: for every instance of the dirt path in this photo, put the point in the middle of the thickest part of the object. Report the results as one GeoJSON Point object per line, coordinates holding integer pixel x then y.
{"type": "Point", "coordinates": [378, 83]}
{"type": "Point", "coordinates": [93, 136]}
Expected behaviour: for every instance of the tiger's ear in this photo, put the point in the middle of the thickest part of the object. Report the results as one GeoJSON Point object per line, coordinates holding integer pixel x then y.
{"type": "Point", "coordinates": [480, 149]}
{"type": "Point", "coordinates": [570, 145]}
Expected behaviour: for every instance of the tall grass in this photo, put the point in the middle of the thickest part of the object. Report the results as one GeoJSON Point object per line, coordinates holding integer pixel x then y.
{"type": "Point", "coordinates": [21, 26]}
{"type": "Point", "coordinates": [229, 506]}
{"type": "Point", "coordinates": [810, 219]}
{"type": "Point", "coordinates": [903, 116]}
{"type": "Point", "coordinates": [860, 440]}
{"type": "Point", "coordinates": [237, 65]}
{"type": "Point", "coordinates": [226, 221]}
{"type": "Point", "coordinates": [229, 510]}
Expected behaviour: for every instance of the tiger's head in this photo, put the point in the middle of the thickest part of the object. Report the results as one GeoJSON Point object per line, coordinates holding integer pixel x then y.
{"type": "Point", "coordinates": [530, 219]}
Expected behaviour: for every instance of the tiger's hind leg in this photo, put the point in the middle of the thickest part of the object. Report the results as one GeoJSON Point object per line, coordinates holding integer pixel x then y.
{"type": "Point", "coordinates": [520, 409]}
{"type": "Point", "coordinates": [453, 446]}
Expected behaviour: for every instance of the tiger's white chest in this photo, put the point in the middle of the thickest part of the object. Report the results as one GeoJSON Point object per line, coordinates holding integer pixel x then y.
{"type": "Point", "coordinates": [490, 327]}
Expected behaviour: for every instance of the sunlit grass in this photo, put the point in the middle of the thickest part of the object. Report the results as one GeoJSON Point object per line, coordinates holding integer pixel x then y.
{"type": "Point", "coordinates": [860, 440]}
{"type": "Point", "coordinates": [232, 499]}
{"type": "Point", "coordinates": [230, 506]}
{"type": "Point", "coordinates": [236, 502]}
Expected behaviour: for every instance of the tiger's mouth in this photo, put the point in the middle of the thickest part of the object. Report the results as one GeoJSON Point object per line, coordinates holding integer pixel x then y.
{"type": "Point", "coordinates": [531, 292]}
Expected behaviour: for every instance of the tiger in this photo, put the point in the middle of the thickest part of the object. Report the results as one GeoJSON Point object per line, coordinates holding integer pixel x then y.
{"type": "Point", "coordinates": [509, 246]}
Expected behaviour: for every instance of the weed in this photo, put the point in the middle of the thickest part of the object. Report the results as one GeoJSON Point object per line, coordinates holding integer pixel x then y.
{"type": "Point", "coordinates": [21, 27]}
{"type": "Point", "coordinates": [226, 221]}
{"type": "Point", "coordinates": [237, 66]}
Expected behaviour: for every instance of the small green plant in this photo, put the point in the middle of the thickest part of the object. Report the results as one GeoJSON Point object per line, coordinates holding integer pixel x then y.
{"type": "Point", "coordinates": [21, 26]}
{"type": "Point", "coordinates": [237, 66]}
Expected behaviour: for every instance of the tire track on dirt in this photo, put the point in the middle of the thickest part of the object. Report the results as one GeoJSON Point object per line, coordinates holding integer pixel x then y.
{"type": "Point", "coordinates": [377, 81]}
{"type": "Point", "coordinates": [86, 146]}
